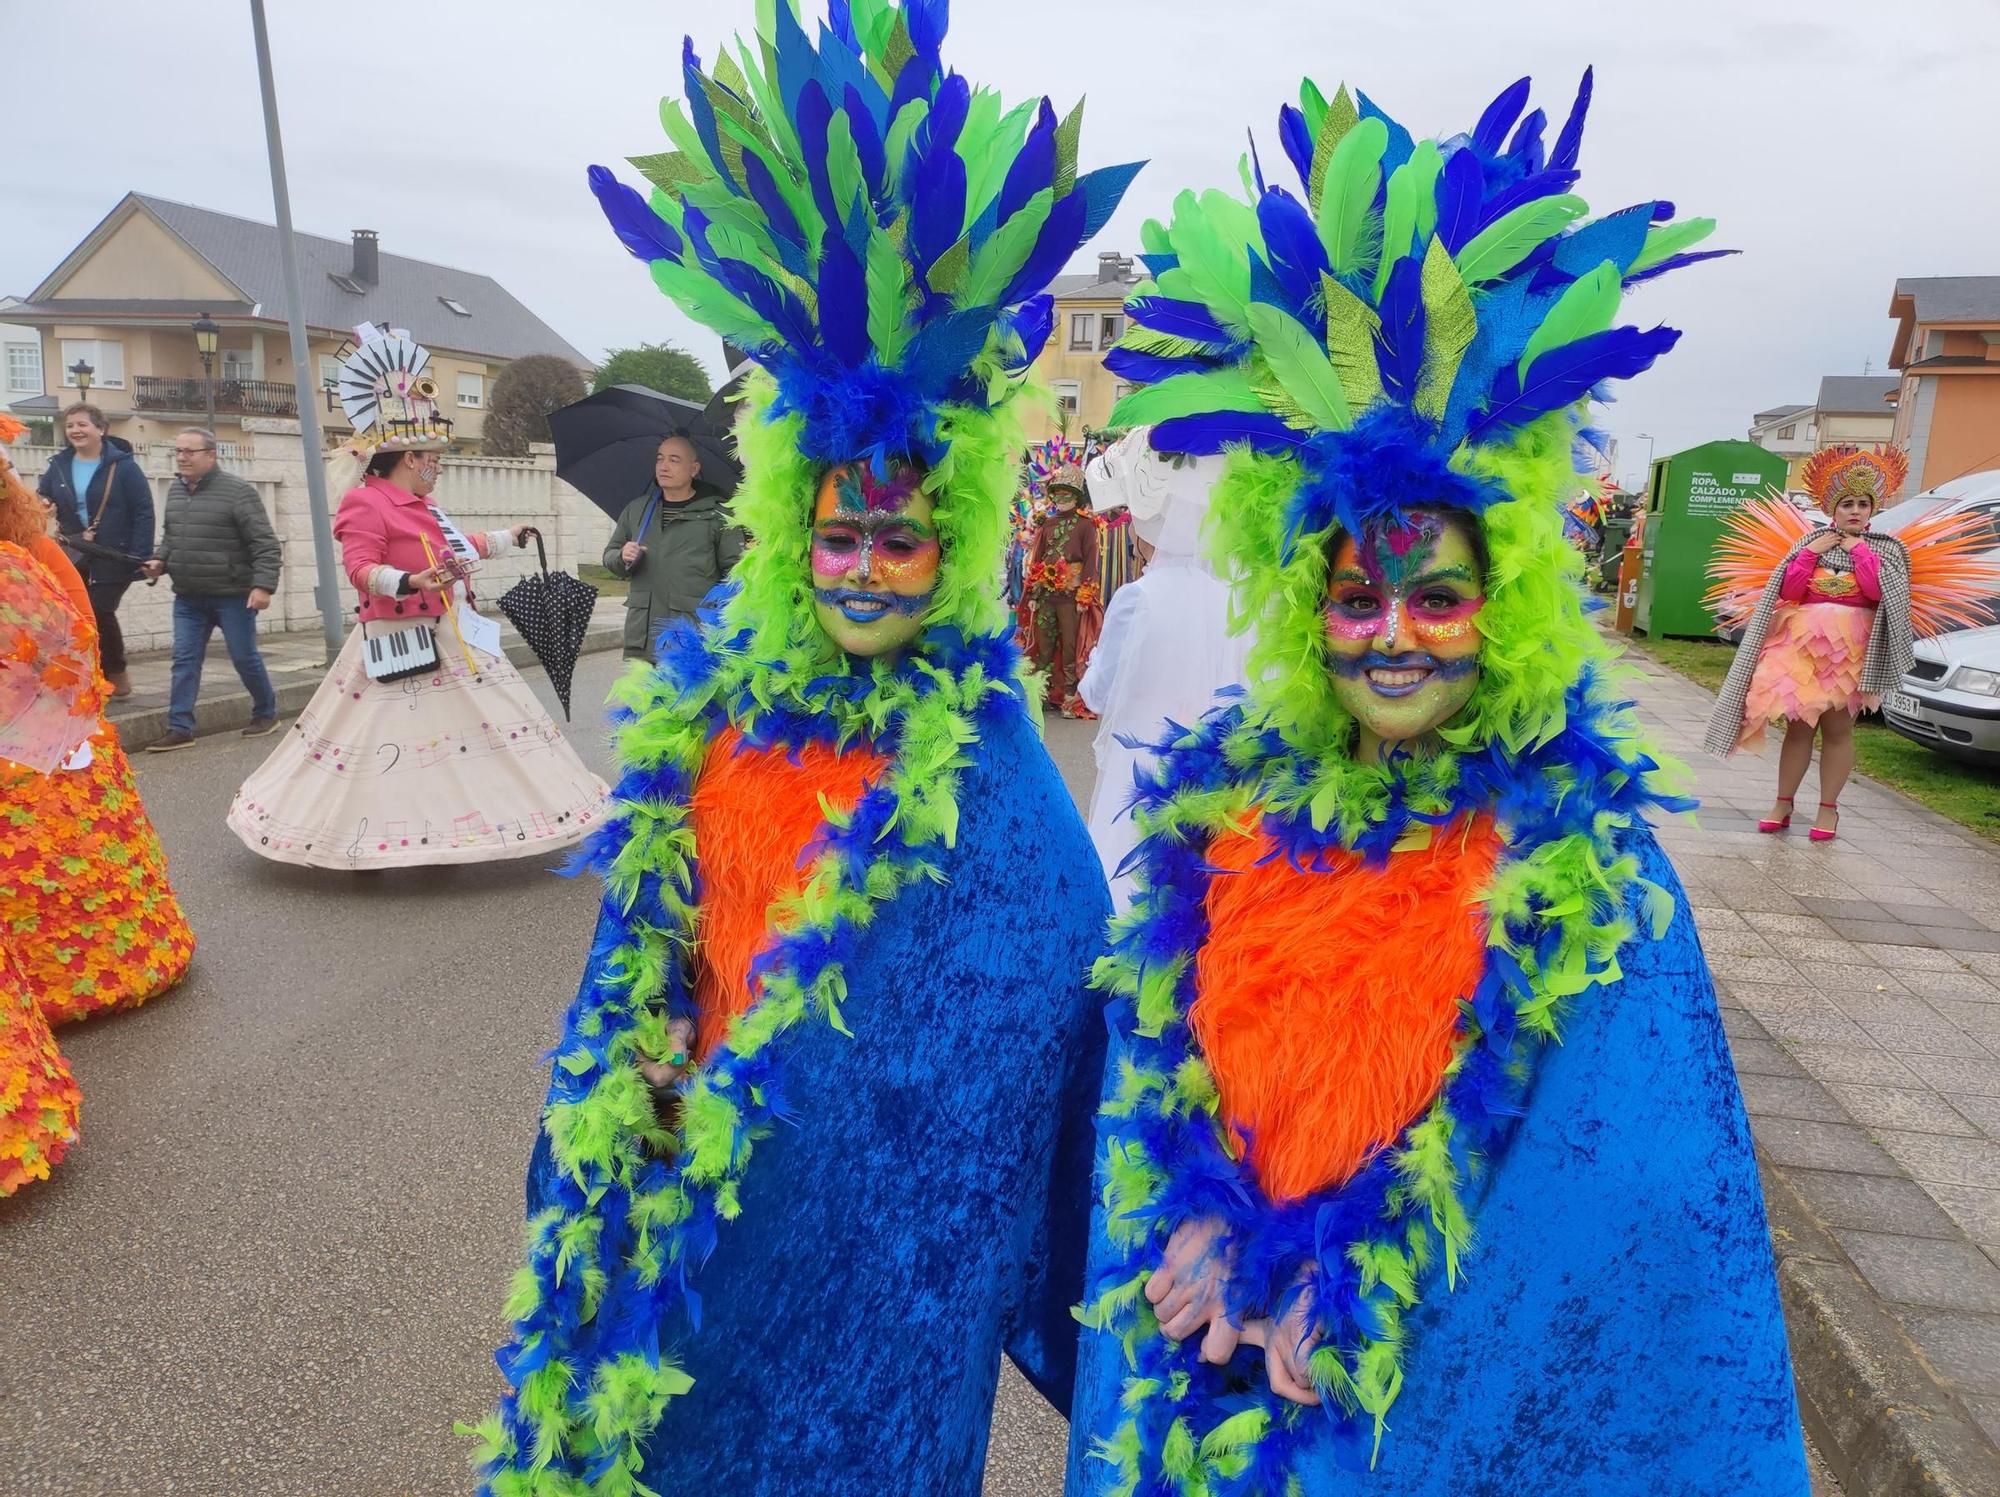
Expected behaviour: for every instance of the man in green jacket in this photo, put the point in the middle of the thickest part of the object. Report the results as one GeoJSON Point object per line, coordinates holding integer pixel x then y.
{"type": "Point", "coordinates": [674, 545]}
{"type": "Point", "coordinates": [217, 545]}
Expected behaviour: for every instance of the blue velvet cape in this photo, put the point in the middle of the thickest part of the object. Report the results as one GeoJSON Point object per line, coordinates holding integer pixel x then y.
{"type": "Point", "coordinates": [1616, 1329]}
{"type": "Point", "coordinates": [928, 1208]}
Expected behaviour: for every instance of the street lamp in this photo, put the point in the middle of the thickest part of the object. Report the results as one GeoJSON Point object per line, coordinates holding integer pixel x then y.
{"type": "Point", "coordinates": [81, 375]}
{"type": "Point", "coordinates": [1646, 473]}
{"type": "Point", "coordinates": [206, 331]}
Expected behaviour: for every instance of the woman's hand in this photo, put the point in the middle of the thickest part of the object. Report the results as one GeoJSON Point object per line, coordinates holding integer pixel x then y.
{"type": "Point", "coordinates": [1288, 1347]}
{"type": "Point", "coordinates": [522, 534]}
{"type": "Point", "coordinates": [667, 1071]}
{"type": "Point", "coordinates": [429, 580]}
{"type": "Point", "coordinates": [1186, 1290]}
{"type": "Point", "coordinates": [1824, 542]}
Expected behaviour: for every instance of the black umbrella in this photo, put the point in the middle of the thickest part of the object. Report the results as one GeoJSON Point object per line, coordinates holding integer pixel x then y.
{"type": "Point", "coordinates": [605, 443]}
{"type": "Point", "coordinates": [552, 612]}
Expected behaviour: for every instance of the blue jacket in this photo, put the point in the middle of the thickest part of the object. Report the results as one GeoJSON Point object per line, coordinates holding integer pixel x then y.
{"type": "Point", "coordinates": [119, 504]}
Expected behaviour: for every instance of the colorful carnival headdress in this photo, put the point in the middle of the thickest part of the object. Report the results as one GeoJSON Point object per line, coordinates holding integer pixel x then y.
{"type": "Point", "coordinates": [385, 391]}
{"type": "Point", "coordinates": [1844, 472]}
{"type": "Point", "coordinates": [864, 224]}
{"type": "Point", "coordinates": [1425, 302]}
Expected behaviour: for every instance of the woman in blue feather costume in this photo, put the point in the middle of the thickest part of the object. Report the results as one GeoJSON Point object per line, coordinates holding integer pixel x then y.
{"type": "Point", "coordinates": [1422, 1166]}
{"type": "Point", "coordinates": [817, 1143]}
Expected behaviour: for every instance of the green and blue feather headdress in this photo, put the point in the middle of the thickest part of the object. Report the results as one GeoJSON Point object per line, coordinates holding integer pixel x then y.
{"type": "Point", "coordinates": [866, 226]}
{"type": "Point", "coordinates": [1423, 301]}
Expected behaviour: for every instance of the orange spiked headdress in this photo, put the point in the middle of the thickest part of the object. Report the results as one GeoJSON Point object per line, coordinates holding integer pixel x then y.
{"type": "Point", "coordinates": [1836, 473]}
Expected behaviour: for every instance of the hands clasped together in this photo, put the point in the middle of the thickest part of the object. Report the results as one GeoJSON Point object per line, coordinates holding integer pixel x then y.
{"type": "Point", "coordinates": [1188, 1292]}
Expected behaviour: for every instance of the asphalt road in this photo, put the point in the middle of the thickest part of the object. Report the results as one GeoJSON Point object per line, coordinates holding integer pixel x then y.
{"type": "Point", "coordinates": [275, 1262]}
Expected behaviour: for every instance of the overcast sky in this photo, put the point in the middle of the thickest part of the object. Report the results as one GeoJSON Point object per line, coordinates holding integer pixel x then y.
{"type": "Point", "coordinates": [1839, 150]}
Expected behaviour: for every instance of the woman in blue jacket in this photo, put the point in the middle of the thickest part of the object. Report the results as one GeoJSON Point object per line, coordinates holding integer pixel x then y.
{"type": "Point", "coordinates": [102, 497]}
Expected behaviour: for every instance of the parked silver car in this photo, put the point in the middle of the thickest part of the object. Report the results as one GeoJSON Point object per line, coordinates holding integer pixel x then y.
{"type": "Point", "coordinates": [1951, 697]}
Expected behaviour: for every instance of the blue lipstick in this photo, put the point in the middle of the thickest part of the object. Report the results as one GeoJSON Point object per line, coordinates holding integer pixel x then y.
{"type": "Point", "coordinates": [859, 607]}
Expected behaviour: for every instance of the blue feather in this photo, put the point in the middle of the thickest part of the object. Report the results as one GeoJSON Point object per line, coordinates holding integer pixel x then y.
{"type": "Point", "coordinates": [1675, 262]}
{"type": "Point", "coordinates": [868, 143]}
{"type": "Point", "coordinates": [1060, 236]}
{"type": "Point", "coordinates": [776, 304]}
{"type": "Point", "coordinates": [1662, 211]}
{"type": "Point", "coordinates": [1293, 243]}
{"type": "Point", "coordinates": [1526, 148]}
{"type": "Point", "coordinates": [777, 213]}
{"type": "Point", "coordinates": [841, 22]}
{"type": "Point", "coordinates": [1151, 368]}
{"type": "Point", "coordinates": [1033, 168]}
{"type": "Point", "coordinates": [1526, 190]}
{"type": "Point", "coordinates": [927, 21]}
{"type": "Point", "coordinates": [1399, 343]}
{"type": "Point", "coordinates": [1400, 147]}
{"type": "Point", "coordinates": [1505, 325]}
{"type": "Point", "coordinates": [1570, 141]}
{"type": "Point", "coordinates": [702, 113]}
{"type": "Point", "coordinates": [843, 302]}
{"type": "Point", "coordinates": [1158, 265]}
{"type": "Point", "coordinates": [1203, 436]}
{"type": "Point", "coordinates": [944, 347]}
{"type": "Point", "coordinates": [1491, 131]}
{"type": "Point", "coordinates": [1256, 166]}
{"type": "Point", "coordinates": [916, 81]}
{"type": "Point", "coordinates": [796, 60]}
{"type": "Point", "coordinates": [1297, 140]}
{"type": "Point", "coordinates": [1460, 187]}
{"type": "Point", "coordinates": [812, 116]}
{"type": "Point", "coordinates": [1178, 319]}
{"type": "Point", "coordinates": [1565, 375]}
{"type": "Point", "coordinates": [840, 71]}
{"type": "Point", "coordinates": [1102, 191]}
{"type": "Point", "coordinates": [1032, 322]}
{"type": "Point", "coordinates": [1618, 237]}
{"type": "Point", "coordinates": [642, 231]}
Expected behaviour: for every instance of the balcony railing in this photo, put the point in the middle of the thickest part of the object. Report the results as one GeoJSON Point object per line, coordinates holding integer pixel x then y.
{"type": "Point", "coordinates": [233, 397]}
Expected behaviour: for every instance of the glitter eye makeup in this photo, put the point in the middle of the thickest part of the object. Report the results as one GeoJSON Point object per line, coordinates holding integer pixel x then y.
{"type": "Point", "coordinates": [875, 558]}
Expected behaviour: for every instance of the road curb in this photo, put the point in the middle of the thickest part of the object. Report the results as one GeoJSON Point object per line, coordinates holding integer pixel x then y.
{"type": "Point", "coordinates": [230, 711]}
{"type": "Point", "coordinates": [1884, 1424]}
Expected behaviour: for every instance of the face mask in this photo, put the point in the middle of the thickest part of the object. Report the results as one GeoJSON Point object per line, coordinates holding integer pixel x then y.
{"type": "Point", "coordinates": [1402, 639]}
{"type": "Point", "coordinates": [875, 558]}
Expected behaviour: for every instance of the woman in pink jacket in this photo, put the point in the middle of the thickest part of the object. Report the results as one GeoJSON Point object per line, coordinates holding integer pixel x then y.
{"type": "Point", "coordinates": [423, 745]}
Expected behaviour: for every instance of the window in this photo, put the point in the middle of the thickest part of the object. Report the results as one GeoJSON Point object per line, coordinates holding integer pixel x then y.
{"type": "Point", "coordinates": [346, 283]}
{"type": "Point", "coordinates": [1079, 332]}
{"type": "Point", "coordinates": [1785, 435]}
{"type": "Point", "coordinates": [456, 308]}
{"type": "Point", "coordinates": [472, 391]}
{"type": "Point", "coordinates": [24, 368]}
{"type": "Point", "coordinates": [1110, 328]}
{"type": "Point", "coordinates": [329, 372]}
{"type": "Point", "coordinates": [1120, 390]}
{"type": "Point", "coordinates": [237, 364]}
{"type": "Point", "coordinates": [106, 359]}
{"type": "Point", "coordinates": [1069, 397]}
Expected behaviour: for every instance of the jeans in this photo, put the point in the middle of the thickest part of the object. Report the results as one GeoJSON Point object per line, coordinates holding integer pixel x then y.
{"type": "Point", "coordinates": [104, 600]}
{"type": "Point", "coordinates": [195, 619]}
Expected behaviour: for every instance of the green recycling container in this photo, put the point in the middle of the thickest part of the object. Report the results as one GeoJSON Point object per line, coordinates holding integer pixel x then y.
{"type": "Point", "coordinates": [1688, 496]}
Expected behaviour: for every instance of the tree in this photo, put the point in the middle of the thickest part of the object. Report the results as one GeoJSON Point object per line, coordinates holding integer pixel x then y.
{"type": "Point", "coordinates": [523, 395]}
{"type": "Point", "coordinates": [663, 367]}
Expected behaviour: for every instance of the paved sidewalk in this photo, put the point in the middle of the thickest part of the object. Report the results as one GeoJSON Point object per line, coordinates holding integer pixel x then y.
{"type": "Point", "coordinates": [297, 662]}
{"type": "Point", "coordinates": [1861, 988]}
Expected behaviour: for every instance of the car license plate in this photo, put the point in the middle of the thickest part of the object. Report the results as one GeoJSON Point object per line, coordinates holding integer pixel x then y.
{"type": "Point", "coordinates": [1904, 705]}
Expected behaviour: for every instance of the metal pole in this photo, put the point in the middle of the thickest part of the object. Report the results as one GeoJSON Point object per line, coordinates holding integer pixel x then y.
{"type": "Point", "coordinates": [328, 591]}
{"type": "Point", "coordinates": [208, 386]}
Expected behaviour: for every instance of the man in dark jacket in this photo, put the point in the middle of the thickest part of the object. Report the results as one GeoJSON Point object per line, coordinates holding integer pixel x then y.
{"type": "Point", "coordinates": [673, 543]}
{"type": "Point", "coordinates": [103, 500]}
{"type": "Point", "coordinates": [217, 544]}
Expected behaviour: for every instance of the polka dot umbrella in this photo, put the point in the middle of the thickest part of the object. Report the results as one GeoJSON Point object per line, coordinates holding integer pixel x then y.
{"type": "Point", "coordinates": [552, 611]}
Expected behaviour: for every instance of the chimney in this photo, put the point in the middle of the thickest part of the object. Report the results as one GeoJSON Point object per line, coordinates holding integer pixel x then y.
{"type": "Point", "coordinates": [1112, 266]}
{"type": "Point", "coordinates": [367, 257]}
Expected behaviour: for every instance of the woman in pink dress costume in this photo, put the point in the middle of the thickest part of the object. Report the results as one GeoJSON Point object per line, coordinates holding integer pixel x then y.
{"type": "Point", "coordinates": [423, 745]}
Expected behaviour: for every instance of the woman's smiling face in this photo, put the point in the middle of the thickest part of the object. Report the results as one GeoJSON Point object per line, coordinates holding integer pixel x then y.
{"type": "Point", "coordinates": [1402, 609]}
{"type": "Point", "coordinates": [875, 558]}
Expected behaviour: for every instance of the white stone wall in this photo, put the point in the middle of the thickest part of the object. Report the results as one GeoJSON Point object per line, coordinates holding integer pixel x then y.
{"type": "Point", "coordinates": [479, 493]}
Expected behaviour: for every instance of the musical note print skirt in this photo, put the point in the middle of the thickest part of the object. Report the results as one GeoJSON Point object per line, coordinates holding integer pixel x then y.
{"type": "Point", "coordinates": [84, 900]}
{"type": "Point", "coordinates": [457, 766]}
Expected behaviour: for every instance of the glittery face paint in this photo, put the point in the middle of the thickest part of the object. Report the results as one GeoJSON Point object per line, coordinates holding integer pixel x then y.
{"type": "Point", "coordinates": [1402, 611]}
{"type": "Point", "coordinates": [875, 558]}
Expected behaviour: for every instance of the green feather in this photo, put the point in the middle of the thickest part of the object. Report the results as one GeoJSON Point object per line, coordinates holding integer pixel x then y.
{"type": "Point", "coordinates": [1154, 240]}
{"type": "Point", "coordinates": [1338, 118]}
{"type": "Point", "coordinates": [1068, 135]}
{"type": "Point", "coordinates": [1145, 340]}
{"type": "Point", "coordinates": [1301, 366]}
{"type": "Point", "coordinates": [671, 170]}
{"type": "Point", "coordinates": [1005, 252]}
{"type": "Point", "coordinates": [871, 23]}
{"type": "Point", "coordinates": [843, 165]}
{"type": "Point", "coordinates": [1210, 234]}
{"type": "Point", "coordinates": [1352, 176]}
{"type": "Point", "coordinates": [1670, 239]}
{"type": "Point", "coordinates": [947, 272]}
{"type": "Point", "coordinates": [896, 144]}
{"type": "Point", "coordinates": [1351, 326]}
{"type": "Point", "coordinates": [1312, 104]}
{"type": "Point", "coordinates": [1449, 328]}
{"type": "Point", "coordinates": [888, 299]}
{"type": "Point", "coordinates": [764, 95]}
{"type": "Point", "coordinates": [681, 131]}
{"type": "Point", "coordinates": [985, 175]}
{"type": "Point", "coordinates": [1510, 239]}
{"type": "Point", "coordinates": [1188, 395]}
{"type": "Point", "coordinates": [707, 303]}
{"type": "Point", "coordinates": [899, 51]}
{"type": "Point", "coordinates": [1587, 306]}
{"type": "Point", "coordinates": [730, 76]}
{"type": "Point", "coordinates": [1410, 213]}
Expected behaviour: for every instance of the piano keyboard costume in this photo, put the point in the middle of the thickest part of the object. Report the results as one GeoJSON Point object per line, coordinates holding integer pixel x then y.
{"type": "Point", "coordinates": [800, 1275]}
{"type": "Point", "coordinates": [1428, 1037]}
{"type": "Point", "coordinates": [419, 747]}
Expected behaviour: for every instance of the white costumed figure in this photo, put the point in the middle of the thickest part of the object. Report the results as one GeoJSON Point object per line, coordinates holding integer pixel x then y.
{"type": "Point", "coordinates": [1166, 648]}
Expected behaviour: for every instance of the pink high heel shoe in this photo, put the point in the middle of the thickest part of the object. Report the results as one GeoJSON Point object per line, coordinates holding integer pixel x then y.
{"type": "Point", "coordinates": [1819, 836]}
{"type": "Point", "coordinates": [1767, 825]}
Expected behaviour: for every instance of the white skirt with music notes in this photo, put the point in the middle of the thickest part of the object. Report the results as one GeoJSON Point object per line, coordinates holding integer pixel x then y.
{"type": "Point", "coordinates": [448, 767]}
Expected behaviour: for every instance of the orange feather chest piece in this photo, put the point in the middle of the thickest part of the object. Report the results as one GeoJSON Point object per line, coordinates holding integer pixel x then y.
{"type": "Point", "coordinates": [1327, 1002]}
{"type": "Point", "coordinates": [754, 811]}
